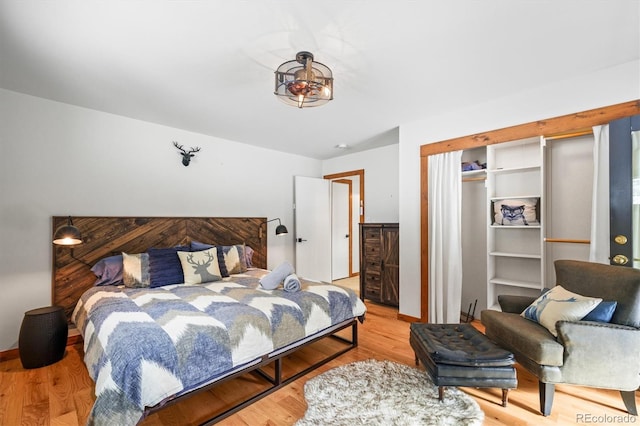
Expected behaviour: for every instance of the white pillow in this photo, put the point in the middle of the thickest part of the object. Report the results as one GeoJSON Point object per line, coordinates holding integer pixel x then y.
{"type": "Point", "coordinates": [559, 304]}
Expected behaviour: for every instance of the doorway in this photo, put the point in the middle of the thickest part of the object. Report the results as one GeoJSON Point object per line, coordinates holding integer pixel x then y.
{"type": "Point", "coordinates": [341, 226]}
{"type": "Point", "coordinates": [354, 210]}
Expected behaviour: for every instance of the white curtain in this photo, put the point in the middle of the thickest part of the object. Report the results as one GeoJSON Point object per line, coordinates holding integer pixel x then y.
{"type": "Point", "coordinates": [599, 248]}
{"type": "Point", "coordinates": [635, 209]}
{"type": "Point", "coordinates": [445, 237]}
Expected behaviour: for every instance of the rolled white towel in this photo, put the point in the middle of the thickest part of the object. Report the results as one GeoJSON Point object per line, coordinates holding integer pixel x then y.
{"type": "Point", "coordinates": [292, 283]}
{"type": "Point", "coordinates": [275, 277]}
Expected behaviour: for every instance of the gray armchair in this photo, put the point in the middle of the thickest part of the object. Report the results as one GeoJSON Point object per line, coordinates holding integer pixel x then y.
{"type": "Point", "coordinates": [586, 353]}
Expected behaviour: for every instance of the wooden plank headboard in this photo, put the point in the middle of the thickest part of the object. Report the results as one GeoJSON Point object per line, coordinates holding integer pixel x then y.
{"type": "Point", "coordinates": [106, 236]}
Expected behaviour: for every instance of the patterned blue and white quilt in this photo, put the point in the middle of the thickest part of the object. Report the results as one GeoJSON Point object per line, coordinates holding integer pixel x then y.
{"type": "Point", "coordinates": [143, 345]}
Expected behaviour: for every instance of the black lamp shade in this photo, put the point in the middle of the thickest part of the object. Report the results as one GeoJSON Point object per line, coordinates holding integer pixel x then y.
{"type": "Point", "coordinates": [281, 230]}
{"type": "Point", "coordinates": [67, 235]}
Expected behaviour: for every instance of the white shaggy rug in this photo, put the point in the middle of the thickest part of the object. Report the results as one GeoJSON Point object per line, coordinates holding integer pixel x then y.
{"type": "Point", "coordinates": [384, 393]}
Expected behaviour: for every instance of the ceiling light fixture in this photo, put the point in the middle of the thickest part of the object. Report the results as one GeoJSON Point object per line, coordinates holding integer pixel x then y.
{"type": "Point", "coordinates": [303, 82]}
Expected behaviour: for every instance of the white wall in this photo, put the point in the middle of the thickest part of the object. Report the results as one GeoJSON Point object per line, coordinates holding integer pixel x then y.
{"type": "Point", "coordinates": [380, 180]}
{"type": "Point", "coordinates": [606, 87]}
{"type": "Point", "coordinates": [59, 159]}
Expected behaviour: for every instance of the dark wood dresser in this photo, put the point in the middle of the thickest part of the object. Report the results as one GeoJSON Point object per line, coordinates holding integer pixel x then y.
{"type": "Point", "coordinates": [379, 262]}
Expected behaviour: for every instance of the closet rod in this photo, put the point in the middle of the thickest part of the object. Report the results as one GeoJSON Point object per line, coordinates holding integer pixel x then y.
{"type": "Point", "coordinates": [473, 179]}
{"type": "Point", "coordinates": [566, 240]}
{"type": "Point", "coordinates": [575, 134]}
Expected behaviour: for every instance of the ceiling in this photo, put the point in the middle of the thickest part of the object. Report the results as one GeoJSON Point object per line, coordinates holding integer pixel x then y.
{"type": "Point", "coordinates": [207, 66]}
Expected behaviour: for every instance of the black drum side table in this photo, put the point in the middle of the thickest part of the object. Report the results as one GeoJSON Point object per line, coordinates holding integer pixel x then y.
{"type": "Point", "coordinates": [43, 336]}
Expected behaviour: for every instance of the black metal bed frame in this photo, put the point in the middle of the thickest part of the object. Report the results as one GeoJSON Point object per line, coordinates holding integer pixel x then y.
{"type": "Point", "coordinates": [276, 381]}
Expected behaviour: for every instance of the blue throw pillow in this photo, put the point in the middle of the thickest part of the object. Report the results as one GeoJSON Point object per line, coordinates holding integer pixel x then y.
{"type": "Point", "coordinates": [198, 246]}
{"type": "Point", "coordinates": [603, 312]}
{"type": "Point", "coordinates": [108, 270]}
{"type": "Point", "coordinates": [165, 267]}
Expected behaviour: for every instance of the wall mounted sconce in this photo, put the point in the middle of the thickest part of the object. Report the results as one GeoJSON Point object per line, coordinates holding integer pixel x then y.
{"type": "Point", "coordinates": [67, 235]}
{"type": "Point", "coordinates": [280, 229]}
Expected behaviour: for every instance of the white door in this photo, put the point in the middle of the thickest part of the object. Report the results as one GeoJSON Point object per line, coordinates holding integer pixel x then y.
{"type": "Point", "coordinates": [312, 213]}
{"type": "Point", "coordinates": [339, 230]}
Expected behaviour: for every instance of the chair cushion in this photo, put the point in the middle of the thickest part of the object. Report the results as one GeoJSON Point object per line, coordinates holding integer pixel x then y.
{"type": "Point", "coordinates": [523, 337]}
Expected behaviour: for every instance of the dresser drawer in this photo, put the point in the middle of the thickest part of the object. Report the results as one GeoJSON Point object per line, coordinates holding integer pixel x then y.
{"type": "Point", "coordinates": [372, 288]}
{"type": "Point", "coordinates": [371, 251]}
{"type": "Point", "coordinates": [372, 294]}
{"type": "Point", "coordinates": [371, 265]}
{"type": "Point", "coordinates": [372, 280]}
{"type": "Point", "coordinates": [371, 234]}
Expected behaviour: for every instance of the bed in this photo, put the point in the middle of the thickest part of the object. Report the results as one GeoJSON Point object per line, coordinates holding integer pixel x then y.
{"type": "Point", "coordinates": [147, 347]}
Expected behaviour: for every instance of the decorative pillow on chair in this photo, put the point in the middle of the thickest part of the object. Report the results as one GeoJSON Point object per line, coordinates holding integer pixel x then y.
{"type": "Point", "coordinates": [135, 270]}
{"type": "Point", "coordinates": [515, 212]}
{"type": "Point", "coordinates": [603, 312]}
{"type": "Point", "coordinates": [200, 266]}
{"type": "Point", "coordinates": [559, 304]}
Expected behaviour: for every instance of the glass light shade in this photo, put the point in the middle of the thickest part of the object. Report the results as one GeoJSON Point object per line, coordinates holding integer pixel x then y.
{"type": "Point", "coordinates": [67, 235]}
{"type": "Point", "coordinates": [303, 82]}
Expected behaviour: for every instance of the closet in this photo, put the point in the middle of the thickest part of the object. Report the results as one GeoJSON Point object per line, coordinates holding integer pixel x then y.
{"type": "Point", "coordinates": [564, 206]}
{"type": "Point", "coordinates": [529, 207]}
{"type": "Point", "coordinates": [474, 234]}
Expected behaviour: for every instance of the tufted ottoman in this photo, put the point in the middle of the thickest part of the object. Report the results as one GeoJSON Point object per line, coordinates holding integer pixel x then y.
{"type": "Point", "coordinates": [460, 355]}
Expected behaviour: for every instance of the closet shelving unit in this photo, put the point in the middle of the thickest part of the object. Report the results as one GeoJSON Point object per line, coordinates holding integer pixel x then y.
{"type": "Point", "coordinates": [515, 253]}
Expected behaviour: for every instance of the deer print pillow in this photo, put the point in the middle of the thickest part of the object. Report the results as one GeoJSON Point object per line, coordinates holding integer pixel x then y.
{"type": "Point", "coordinates": [200, 266]}
{"type": "Point", "coordinates": [559, 304]}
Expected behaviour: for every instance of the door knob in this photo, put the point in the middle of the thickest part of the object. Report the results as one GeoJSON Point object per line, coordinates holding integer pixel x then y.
{"type": "Point", "coordinates": [620, 239]}
{"type": "Point", "coordinates": [620, 259]}
{"type": "Point", "coordinates": [300, 240]}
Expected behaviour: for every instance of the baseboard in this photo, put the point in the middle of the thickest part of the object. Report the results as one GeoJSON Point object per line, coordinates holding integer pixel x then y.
{"type": "Point", "coordinates": [9, 354]}
{"type": "Point", "coordinates": [15, 353]}
{"type": "Point", "coordinates": [407, 318]}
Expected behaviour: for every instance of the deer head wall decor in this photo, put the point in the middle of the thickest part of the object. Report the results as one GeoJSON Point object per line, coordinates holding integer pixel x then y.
{"type": "Point", "coordinates": [186, 155]}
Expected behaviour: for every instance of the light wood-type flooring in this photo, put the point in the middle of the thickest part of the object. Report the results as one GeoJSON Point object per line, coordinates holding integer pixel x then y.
{"type": "Point", "coordinates": [62, 393]}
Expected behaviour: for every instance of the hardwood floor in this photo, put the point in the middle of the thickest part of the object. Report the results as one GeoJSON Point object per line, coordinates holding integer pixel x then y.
{"type": "Point", "coordinates": [62, 393]}
{"type": "Point", "coordinates": [352, 282]}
